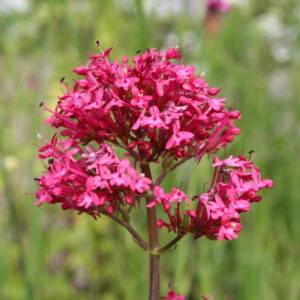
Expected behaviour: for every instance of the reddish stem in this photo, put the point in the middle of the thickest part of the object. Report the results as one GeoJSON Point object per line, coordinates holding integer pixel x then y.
{"type": "Point", "coordinates": [153, 242]}
{"type": "Point", "coordinates": [166, 171]}
{"type": "Point", "coordinates": [171, 244]}
{"type": "Point", "coordinates": [137, 238]}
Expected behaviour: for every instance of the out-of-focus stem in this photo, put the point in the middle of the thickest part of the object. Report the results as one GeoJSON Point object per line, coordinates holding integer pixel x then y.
{"type": "Point", "coordinates": [142, 28]}
{"type": "Point", "coordinates": [153, 242]}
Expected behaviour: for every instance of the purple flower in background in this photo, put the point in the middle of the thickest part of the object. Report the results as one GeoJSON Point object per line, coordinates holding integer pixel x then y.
{"type": "Point", "coordinates": [219, 5]}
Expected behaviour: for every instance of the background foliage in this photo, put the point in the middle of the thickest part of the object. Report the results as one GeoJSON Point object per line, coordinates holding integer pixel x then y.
{"type": "Point", "coordinates": [46, 253]}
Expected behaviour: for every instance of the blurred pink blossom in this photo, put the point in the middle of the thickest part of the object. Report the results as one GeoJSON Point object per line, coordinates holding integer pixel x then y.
{"type": "Point", "coordinates": [173, 296]}
{"type": "Point", "coordinates": [220, 5]}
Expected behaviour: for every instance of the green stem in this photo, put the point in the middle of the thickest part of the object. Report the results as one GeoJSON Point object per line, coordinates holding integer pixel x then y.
{"type": "Point", "coordinates": [141, 26]}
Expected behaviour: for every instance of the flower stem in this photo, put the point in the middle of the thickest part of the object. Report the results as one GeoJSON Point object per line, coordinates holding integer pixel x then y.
{"type": "Point", "coordinates": [166, 171]}
{"type": "Point", "coordinates": [137, 238]}
{"type": "Point", "coordinates": [153, 242]}
{"type": "Point", "coordinates": [171, 244]}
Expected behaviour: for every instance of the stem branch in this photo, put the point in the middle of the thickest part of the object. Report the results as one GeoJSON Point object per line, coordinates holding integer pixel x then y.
{"type": "Point", "coordinates": [135, 235]}
{"type": "Point", "coordinates": [171, 244]}
{"type": "Point", "coordinates": [162, 175]}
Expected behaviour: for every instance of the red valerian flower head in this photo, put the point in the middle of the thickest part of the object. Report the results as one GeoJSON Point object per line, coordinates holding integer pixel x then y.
{"type": "Point", "coordinates": [156, 111]}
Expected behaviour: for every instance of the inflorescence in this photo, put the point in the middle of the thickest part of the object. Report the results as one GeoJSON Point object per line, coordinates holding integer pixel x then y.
{"type": "Point", "coordinates": [156, 111]}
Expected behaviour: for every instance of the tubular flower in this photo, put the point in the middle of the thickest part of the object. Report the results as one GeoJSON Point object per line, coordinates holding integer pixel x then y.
{"type": "Point", "coordinates": [156, 110]}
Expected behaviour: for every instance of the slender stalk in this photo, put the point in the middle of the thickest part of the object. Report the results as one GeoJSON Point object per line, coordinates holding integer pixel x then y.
{"type": "Point", "coordinates": [171, 244]}
{"type": "Point", "coordinates": [154, 258]}
{"type": "Point", "coordinates": [139, 240]}
{"type": "Point", "coordinates": [163, 174]}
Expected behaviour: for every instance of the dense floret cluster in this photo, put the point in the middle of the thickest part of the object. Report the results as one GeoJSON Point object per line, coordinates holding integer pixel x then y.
{"type": "Point", "coordinates": [233, 188]}
{"type": "Point", "coordinates": [156, 111]}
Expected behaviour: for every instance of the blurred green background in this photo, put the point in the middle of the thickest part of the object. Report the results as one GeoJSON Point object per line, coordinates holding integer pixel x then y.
{"type": "Point", "coordinates": [47, 253]}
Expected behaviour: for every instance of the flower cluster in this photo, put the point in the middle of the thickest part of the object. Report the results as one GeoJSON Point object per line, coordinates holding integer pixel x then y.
{"type": "Point", "coordinates": [157, 111]}
{"type": "Point", "coordinates": [233, 188]}
{"type": "Point", "coordinates": [90, 180]}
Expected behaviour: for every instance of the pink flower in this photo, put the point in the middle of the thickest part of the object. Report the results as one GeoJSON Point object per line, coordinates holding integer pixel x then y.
{"type": "Point", "coordinates": [230, 161]}
{"type": "Point", "coordinates": [178, 195]}
{"type": "Point", "coordinates": [228, 230]}
{"type": "Point", "coordinates": [216, 208]}
{"type": "Point", "coordinates": [173, 113]}
{"type": "Point", "coordinates": [139, 98]}
{"type": "Point", "coordinates": [124, 80]}
{"type": "Point", "coordinates": [88, 197]}
{"type": "Point", "coordinates": [173, 296]}
{"type": "Point", "coordinates": [220, 5]}
{"type": "Point", "coordinates": [216, 104]}
{"type": "Point", "coordinates": [178, 136]}
{"type": "Point", "coordinates": [43, 195]}
{"type": "Point", "coordinates": [120, 178]}
{"type": "Point", "coordinates": [139, 184]}
{"type": "Point", "coordinates": [161, 197]}
{"type": "Point", "coordinates": [153, 121]}
{"type": "Point", "coordinates": [167, 199]}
